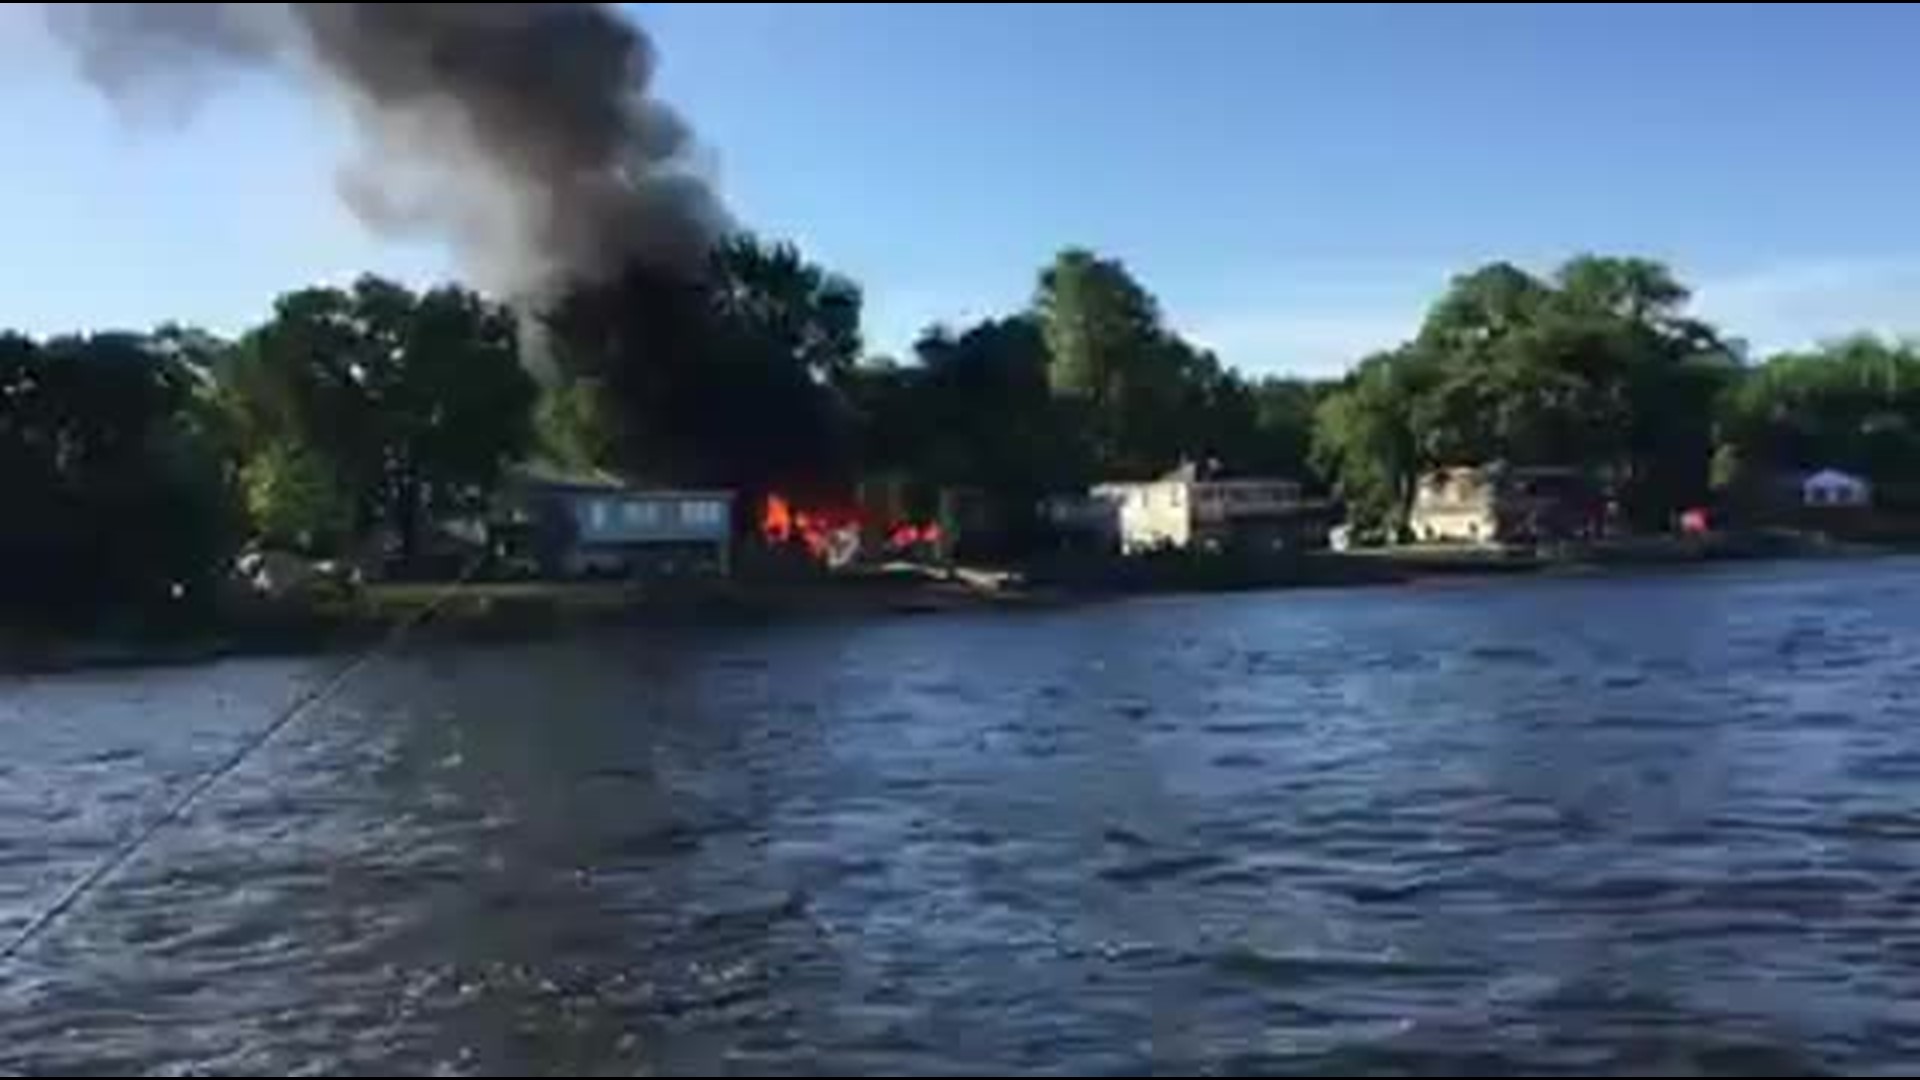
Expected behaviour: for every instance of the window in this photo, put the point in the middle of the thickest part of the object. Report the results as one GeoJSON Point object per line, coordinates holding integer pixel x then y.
{"type": "Point", "coordinates": [704, 515]}
{"type": "Point", "coordinates": [599, 514]}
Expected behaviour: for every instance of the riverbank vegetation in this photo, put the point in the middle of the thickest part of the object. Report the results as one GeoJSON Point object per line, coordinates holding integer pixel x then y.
{"type": "Point", "coordinates": [351, 420]}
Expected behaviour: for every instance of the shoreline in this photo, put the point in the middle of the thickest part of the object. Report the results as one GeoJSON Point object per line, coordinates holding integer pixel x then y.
{"type": "Point", "coordinates": [518, 611]}
{"type": "Point", "coordinates": [481, 612]}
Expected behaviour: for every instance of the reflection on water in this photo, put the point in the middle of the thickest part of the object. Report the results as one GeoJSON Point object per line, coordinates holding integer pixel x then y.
{"type": "Point", "coordinates": [1559, 826]}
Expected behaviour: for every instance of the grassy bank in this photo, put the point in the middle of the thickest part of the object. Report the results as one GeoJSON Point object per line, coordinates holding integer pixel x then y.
{"type": "Point", "coordinates": [501, 611]}
{"type": "Point", "coordinates": [521, 610]}
{"type": "Point", "coordinates": [542, 605]}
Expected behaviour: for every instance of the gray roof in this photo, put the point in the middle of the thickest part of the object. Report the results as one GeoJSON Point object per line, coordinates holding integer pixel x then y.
{"type": "Point", "coordinates": [544, 473]}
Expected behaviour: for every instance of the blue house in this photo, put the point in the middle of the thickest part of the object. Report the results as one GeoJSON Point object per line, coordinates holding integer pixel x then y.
{"type": "Point", "coordinates": [573, 525]}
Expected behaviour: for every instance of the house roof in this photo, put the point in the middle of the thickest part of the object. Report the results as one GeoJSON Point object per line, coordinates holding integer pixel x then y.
{"type": "Point", "coordinates": [1833, 477]}
{"type": "Point", "coordinates": [545, 473]}
{"type": "Point", "coordinates": [554, 476]}
{"type": "Point", "coordinates": [1502, 468]}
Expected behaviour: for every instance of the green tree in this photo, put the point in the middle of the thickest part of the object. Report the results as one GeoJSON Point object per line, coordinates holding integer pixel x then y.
{"type": "Point", "coordinates": [1100, 325]}
{"type": "Point", "coordinates": [726, 377]}
{"type": "Point", "coordinates": [295, 501]}
{"type": "Point", "coordinates": [1198, 410]}
{"type": "Point", "coordinates": [572, 424]}
{"type": "Point", "coordinates": [453, 401]}
{"type": "Point", "coordinates": [1500, 389]}
{"type": "Point", "coordinates": [413, 401]}
{"type": "Point", "coordinates": [1634, 290]}
{"type": "Point", "coordinates": [1111, 357]}
{"type": "Point", "coordinates": [891, 404]}
{"type": "Point", "coordinates": [1657, 374]}
{"type": "Point", "coordinates": [771, 295]}
{"type": "Point", "coordinates": [1283, 426]}
{"type": "Point", "coordinates": [1364, 438]}
{"type": "Point", "coordinates": [1481, 307]}
{"type": "Point", "coordinates": [300, 378]}
{"type": "Point", "coordinates": [116, 496]}
{"type": "Point", "coordinates": [990, 417]}
{"type": "Point", "coordinates": [1853, 404]}
{"type": "Point", "coordinates": [1599, 367]}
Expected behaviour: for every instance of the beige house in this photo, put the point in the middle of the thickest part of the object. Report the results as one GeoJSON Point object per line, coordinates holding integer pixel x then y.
{"type": "Point", "coordinates": [1497, 504]}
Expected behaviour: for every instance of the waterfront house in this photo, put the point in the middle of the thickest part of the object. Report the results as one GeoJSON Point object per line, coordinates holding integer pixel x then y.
{"type": "Point", "coordinates": [1499, 504]}
{"type": "Point", "coordinates": [1189, 510]}
{"type": "Point", "coordinates": [581, 524]}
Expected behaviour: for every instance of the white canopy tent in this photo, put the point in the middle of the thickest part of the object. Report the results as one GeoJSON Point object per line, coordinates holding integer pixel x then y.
{"type": "Point", "coordinates": [1833, 488]}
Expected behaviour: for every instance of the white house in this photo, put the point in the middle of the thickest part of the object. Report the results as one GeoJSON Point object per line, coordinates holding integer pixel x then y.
{"type": "Point", "coordinates": [1831, 489]}
{"type": "Point", "coordinates": [1182, 510]}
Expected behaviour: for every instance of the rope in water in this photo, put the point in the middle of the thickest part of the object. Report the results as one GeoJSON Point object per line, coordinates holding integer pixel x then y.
{"type": "Point", "coordinates": [50, 917]}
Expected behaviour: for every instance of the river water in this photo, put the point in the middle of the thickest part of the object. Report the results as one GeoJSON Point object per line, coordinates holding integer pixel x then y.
{"type": "Point", "coordinates": [1661, 823]}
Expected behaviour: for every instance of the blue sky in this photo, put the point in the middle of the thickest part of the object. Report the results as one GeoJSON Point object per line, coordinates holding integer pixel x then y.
{"type": "Point", "coordinates": [1294, 182]}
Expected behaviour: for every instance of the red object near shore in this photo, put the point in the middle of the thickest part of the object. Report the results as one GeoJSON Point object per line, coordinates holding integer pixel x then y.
{"type": "Point", "coordinates": [1696, 522]}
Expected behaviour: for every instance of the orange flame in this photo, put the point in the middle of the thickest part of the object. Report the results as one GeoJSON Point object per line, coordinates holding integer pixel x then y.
{"type": "Point", "coordinates": [781, 524]}
{"type": "Point", "coordinates": [822, 530]}
{"type": "Point", "coordinates": [776, 525]}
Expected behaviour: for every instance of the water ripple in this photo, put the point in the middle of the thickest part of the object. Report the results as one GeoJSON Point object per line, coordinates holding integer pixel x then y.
{"type": "Point", "coordinates": [1561, 827]}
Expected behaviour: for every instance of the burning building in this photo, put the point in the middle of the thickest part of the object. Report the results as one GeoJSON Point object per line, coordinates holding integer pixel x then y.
{"type": "Point", "coordinates": [839, 534]}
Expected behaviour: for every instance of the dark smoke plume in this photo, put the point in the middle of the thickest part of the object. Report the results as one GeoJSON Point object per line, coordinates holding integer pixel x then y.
{"type": "Point", "coordinates": [523, 133]}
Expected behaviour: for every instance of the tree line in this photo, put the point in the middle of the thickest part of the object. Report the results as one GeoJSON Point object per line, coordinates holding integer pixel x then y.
{"type": "Point", "coordinates": [1601, 366]}
{"type": "Point", "coordinates": [352, 419]}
